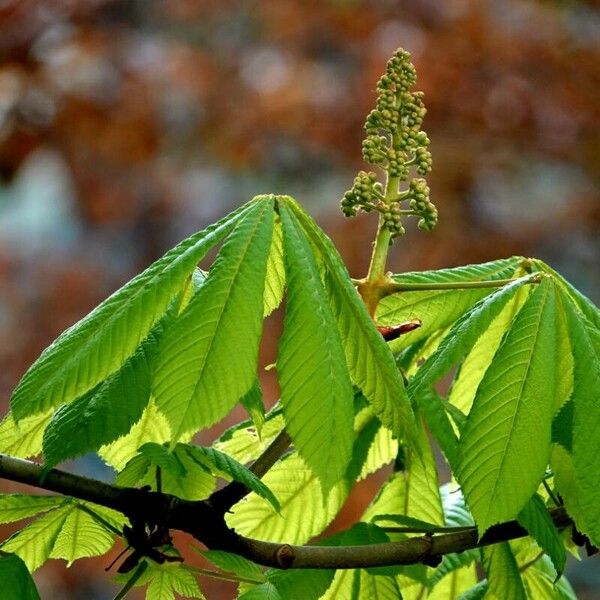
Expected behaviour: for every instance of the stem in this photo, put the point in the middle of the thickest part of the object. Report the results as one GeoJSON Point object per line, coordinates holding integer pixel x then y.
{"type": "Point", "coordinates": [206, 523]}
{"type": "Point", "coordinates": [422, 530]}
{"type": "Point", "coordinates": [222, 576]}
{"type": "Point", "coordinates": [382, 241]}
{"type": "Point", "coordinates": [132, 580]}
{"type": "Point", "coordinates": [393, 287]}
{"type": "Point", "coordinates": [531, 562]}
{"type": "Point", "coordinates": [551, 493]}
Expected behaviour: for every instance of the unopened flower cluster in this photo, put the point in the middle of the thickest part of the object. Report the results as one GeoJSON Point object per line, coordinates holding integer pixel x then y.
{"type": "Point", "coordinates": [395, 143]}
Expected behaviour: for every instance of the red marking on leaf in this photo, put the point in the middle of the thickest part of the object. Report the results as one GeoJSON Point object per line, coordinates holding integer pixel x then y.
{"type": "Point", "coordinates": [391, 332]}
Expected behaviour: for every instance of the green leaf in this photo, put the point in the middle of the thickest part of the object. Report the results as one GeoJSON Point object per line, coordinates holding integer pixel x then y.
{"type": "Point", "coordinates": [152, 427]}
{"type": "Point", "coordinates": [456, 515]}
{"type": "Point", "coordinates": [535, 518]}
{"type": "Point", "coordinates": [264, 591]}
{"type": "Point", "coordinates": [382, 587]}
{"type": "Point", "coordinates": [438, 309]}
{"type": "Point", "coordinates": [25, 439]}
{"type": "Point", "coordinates": [89, 351]}
{"type": "Point", "coordinates": [582, 302]}
{"type": "Point", "coordinates": [242, 441]}
{"type": "Point", "coordinates": [252, 401]}
{"type": "Point", "coordinates": [275, 275]}
{"type": "Point", "coordinates": [504, 580]}
{"type": "Point", "coordinates": [35, 542]}
{"type": "Point", "coordinates": [300, 494]}
{"type": "Point", "coordinates": [232, 563]}
{"type": "Point", "coordinates": [413, 492]}
{"type": "Point", "coordinates": [480, 357]}
{"type": "Point", "coordinates": [107, 412]}
{"type": "Point", "coordinates": [17, 582]}
{"type": "Point", "coordinates": [181, 475]}
{"type": "Point", "coordinates": [562, 426]}
{"type": "Point", "coordinates": [168, 581]}
{"type": "Point", "coordinates": [219, 462]}
{"type": "Point", "coordinates": [454, 583]}
{"type": "Point", "coordinates": [207, 359]}
{"type": "Point", "coordinates": [14, 507]}
{"type": "Point", "coordinates": [409, 522]}
{"type": "Point", "coordinates": [371, 364]}
{"type": "Point", "coordinates": [81, 535]}
{"type": "Point", "coordinates": [505, 446]}
{"type": "Point", "coordinates": [316, 392]}
{"type": "Point", "coordinates": [477, 592]}
{"type": "Point", "coordinates": [463, 335]}
{"type": "Point", "coordinates": [540, 585]}
{"type": "Point", "coordinates": [435, 411]}
{"type": "Point", "coordinates": [586, 424]}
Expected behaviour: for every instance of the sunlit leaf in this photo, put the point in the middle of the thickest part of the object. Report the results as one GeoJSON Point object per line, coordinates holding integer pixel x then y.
{"type": "Point", "coordinates": [208, 357]}
{"type": "Point", "coordinates": [505, 446]}
{"type": "Point", "coordinates": [316, 392]}
{"type": "Point", "coordinates": [89, 351]}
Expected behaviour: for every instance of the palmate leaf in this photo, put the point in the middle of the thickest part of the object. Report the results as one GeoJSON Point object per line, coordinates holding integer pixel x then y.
{"type": "Point", "coordinates": [81, 535]}
{"type": "Point", "coordinates": [582, 302]}
{"type": "Point", "coordinates": [454, 583]}
{"type": "Point", "coordinates": [316, 392]}
{"type": "Point", "coordinates": [504, 579]}
{"type": "Point", "coordinates": [151, 427]}
{"type": "Point", "coordinates": [180, 474]}
{"type": "Point", "coordinates": [233, 563]}
{"type": "Point", "coordinates": [168, 581]}
{"type": "Point", "coordinates": [413, 492]}
{"type": "Point", "coordinates": [300, 494]}
{"type": "Point", "coordinates": [207, 359]}
{"type": "Point", "coordinates": [535, 518]}
{"type": "Point", "coordinates": [108, 411]}
{"type": "Point", "coordinates": [464, 334]}
{"type": "Point", "coordinates": [586, 424]}
{"type": "Point", "coordinates": [481, 355]}
{"type": "Point", "coordinates": [14, 507]}
{"type": "Point", "coordinates": [506, 442]}
{"type": "Point", "coordinates": [35, 542]}
{"type": "Point", "coordinates": [16, 579]}
{"type": "Point", "coordinates": [25, 439]}
{"type": "Point", "coordinates": [439, 309]}
{"type": "Point", "coordinates": [370, 362]}
{"type": "Point", "coordinates": [220, 463]}
{"type": "Point", "coordinates": [96, 346]}
{"type": "Point", "coordinates": [72, 530]}
{"type": "Point", "coordinates": [538, 573]}
{"type": "Point", "coordinates": [243, 442]}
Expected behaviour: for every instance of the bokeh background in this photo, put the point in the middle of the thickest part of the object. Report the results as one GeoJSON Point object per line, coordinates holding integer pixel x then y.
{"type": "Point", "coordinates": [127, 125]}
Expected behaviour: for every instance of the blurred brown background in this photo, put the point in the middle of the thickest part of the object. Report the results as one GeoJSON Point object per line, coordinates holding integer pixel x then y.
{"type": "Point", "coordinates": [127, 125]}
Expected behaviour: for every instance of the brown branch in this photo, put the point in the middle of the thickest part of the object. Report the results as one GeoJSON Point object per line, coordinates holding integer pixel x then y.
{"type": "Point", "coordinates": [207, 525]}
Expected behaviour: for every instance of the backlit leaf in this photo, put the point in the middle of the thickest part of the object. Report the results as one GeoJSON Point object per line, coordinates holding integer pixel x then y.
{"type": "Point", "coordinates": [316, 392]}
{"type": "Point", "coordinates": [437, 309]}
{"type": "Point", "coordinates": [300, 494]}
{"type": "Point", "coordinates": [89, 351]}
{"type": "Point", "coordinates": [207, 358]}
{"type": "Point", "coordinates": [371, 364]}
{"type": "Point", "coordinates": [505, 446]}
{"type": "Point", "coordinates": [504, 580]}
{"type": "Point", "coordinates": [14, 507]}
